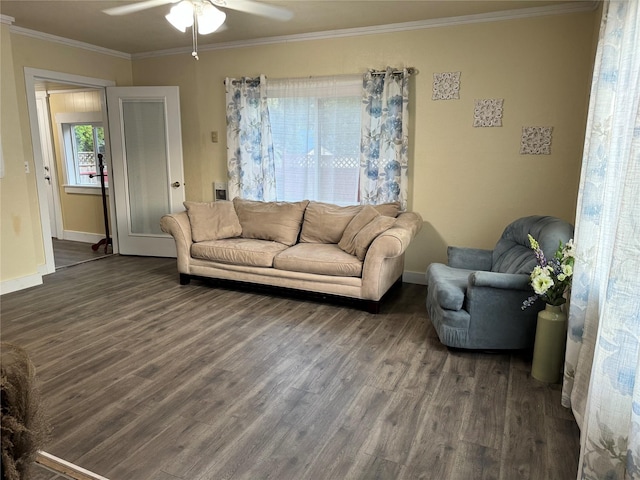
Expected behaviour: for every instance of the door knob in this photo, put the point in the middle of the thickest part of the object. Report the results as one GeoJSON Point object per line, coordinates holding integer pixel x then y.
{"type": "Point", "coordinates": [175, 184]}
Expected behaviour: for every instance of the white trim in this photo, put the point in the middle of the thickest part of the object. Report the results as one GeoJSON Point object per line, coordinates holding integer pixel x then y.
{"type": "Point", "coordinates": [571, 7]}
{"type": "Point", "coordinates": [31, 77]}
{"type": "Point", "coordinates": [85, 189]}
{"type": "Point", "coordinates": [65, 468]}
{"type": "Point", "coordinates": [6, 19]}
{"type": "Point", "coordinates": [21, 283]}
{"type": "Point", "coordinates": [44, 123]}
{"type": "Point", "coordinates": [79, 117]}
{"type": "Point", "coordinates": [84, 237]}
{"type": "Point", "coordinates": [414, 277]}
{"type": "Point", "coordinates": [559, 9]}
{"type": "Point", "coordinates": [47, 37]}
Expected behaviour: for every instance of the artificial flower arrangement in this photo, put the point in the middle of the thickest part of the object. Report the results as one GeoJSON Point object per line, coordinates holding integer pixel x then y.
{"type": "Point", "coordinates": [551, 278]}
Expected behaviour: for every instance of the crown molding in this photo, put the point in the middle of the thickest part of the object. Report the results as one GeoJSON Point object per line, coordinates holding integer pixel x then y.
{"type": "Point", "coordinates": [6, 19]}
{"type": "Point", "coordinates": [559, 9]}
{"type": "Point", "coordinates": [577, 7]}
{"type": "Point", "coordinates": [68, 42]}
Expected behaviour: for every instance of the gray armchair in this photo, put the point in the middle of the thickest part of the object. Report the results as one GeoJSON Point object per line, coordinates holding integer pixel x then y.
{"type": "Point", "coordinates": [474, 301]}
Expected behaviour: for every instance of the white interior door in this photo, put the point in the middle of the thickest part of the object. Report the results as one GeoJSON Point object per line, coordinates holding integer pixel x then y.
{"type": "Point", "coordinates": [146, 156]}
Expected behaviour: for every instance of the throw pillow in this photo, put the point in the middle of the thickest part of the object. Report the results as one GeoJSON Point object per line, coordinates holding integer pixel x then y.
{"type": "Point", "coordinates": [388, 209]}
{"type": "Point", "coordinates": [368, 234]}
{"type": "Point", "coordinates": [212, 221]}
{"type": "Point", "coordinates": [347, 242]}
{"type": "Point", "coordinates": [275, 221]}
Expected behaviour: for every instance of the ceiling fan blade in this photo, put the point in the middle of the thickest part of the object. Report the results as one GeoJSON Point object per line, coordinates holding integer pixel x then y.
{"type": "Point", "coordinates": [136, 7]}
{"type": "Point", "coordinates": [256, 8]}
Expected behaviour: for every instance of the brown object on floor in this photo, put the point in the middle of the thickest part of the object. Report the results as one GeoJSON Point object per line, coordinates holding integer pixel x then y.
{"type": "Point", "coordinates": [24, 429]}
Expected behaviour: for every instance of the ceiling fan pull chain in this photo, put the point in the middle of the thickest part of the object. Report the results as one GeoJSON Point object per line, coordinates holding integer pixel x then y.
{"type": "Point", "coordinates": [194, 33]}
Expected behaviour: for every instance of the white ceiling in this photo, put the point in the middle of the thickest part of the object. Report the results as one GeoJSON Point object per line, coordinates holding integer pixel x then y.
{"type": "Point", "coordinates": [148, 30]}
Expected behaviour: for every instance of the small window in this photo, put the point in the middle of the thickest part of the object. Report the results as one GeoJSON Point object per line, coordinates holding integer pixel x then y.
{"type": "Point", "coordinates": [82, 138]}
{"type": "Point", "coordinates": [83, 143]}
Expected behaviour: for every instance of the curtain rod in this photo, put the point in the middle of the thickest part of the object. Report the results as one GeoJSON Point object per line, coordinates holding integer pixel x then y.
{"type": "Point", "coordinates": [410, 71]}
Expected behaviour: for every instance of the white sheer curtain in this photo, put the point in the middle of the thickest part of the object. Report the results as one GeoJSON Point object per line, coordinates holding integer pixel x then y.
{"type": "Point", "coordinates": [602, 381]}
{"type": "Point", "coordinates": [315, 124]}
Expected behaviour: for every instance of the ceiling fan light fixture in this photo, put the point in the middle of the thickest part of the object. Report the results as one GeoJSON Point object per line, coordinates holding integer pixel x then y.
{"type": "Point", "coordinates": [210, 18]}
{"type": "Point", "coordinates": [181, 15]}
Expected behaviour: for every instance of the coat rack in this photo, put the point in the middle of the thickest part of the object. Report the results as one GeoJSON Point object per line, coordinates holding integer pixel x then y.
{"type": "Point", "coordinates": [107, 240]}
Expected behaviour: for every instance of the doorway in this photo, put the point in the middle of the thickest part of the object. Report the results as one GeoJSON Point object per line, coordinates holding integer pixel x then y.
{"type": "Point", "coordinates": [48, 177]}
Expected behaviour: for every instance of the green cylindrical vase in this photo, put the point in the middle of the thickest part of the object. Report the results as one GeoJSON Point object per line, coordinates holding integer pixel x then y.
{"type": "Point", "coordinates": [551, 340]}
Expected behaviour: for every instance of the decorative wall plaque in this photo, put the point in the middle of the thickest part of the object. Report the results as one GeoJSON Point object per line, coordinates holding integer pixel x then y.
{"type": "Point", "coordinates": [488, 112]}
{"type": "Point", "coordinates": [446, 86]}
{"type": "Point", "coordinates": [536, 141]}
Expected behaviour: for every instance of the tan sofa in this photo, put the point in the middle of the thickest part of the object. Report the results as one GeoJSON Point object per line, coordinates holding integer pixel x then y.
{"type": "Point", "coordinates": [355, 252]}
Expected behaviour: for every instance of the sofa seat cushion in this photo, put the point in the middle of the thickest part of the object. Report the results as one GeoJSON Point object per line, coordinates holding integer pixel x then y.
{"type": "Point", "coordinates": [322, 259]}
{"type": "Point", "coordinates": [448, 285]}
{"type": "Point", "coordinates": [238, 251]}
{"type": "Point", "coordinates": [276, 221]}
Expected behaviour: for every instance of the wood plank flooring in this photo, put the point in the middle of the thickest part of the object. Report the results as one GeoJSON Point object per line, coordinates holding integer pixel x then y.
{"type": "Point", "coordinates": [67, 253]}
{"type": "Point", "coordinates": [147, 379]}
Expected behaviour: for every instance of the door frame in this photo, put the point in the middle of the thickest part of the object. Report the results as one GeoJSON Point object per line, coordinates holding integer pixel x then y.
{"type": "Point", "coordinates": [31, 77]}
{"type": "Point", "coordinates": [48, 157]}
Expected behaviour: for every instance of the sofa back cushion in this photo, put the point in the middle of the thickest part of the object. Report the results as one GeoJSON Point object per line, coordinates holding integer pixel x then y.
{"type": "Point", "coordinates": [325, 222]}
{"type": "Point", "coordinates": [212, 220]}
{"type": "Point", "coordinates": [276, 221]}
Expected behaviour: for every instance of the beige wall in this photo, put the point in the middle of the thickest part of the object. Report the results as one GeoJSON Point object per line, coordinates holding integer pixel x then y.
{"type": "Point", "coordinates": [17, 251]}
{"type": "Point", "coordinates": [35, 53]}
{"type": "Point", "coordinates": [466, 182]}
{"type": "Point", "coordinates": [80, 212]}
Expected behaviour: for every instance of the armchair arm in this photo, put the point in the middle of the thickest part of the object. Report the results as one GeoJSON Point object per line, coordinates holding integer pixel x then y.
{"type": "Point", "coordinates": [179, 227]}
{"type": "Point", "coordinates": [506, 281]}
{"type": "Point", "coordinates": [469, 258]}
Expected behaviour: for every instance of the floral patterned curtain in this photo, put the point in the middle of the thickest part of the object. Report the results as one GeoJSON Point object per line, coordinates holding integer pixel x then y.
{"type": "Point", "coordinates": [250, 159]}
{"type": "Point", "coordinates": [384, 139]}
{"type": "Point", "coordinates": [602, 380]}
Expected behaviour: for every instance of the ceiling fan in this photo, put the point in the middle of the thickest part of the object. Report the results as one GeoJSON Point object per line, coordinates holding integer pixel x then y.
{"type": "Point", "coordinates": [203, 15]}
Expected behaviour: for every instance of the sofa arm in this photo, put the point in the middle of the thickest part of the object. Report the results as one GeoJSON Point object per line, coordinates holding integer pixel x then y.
{"type": "Point", "coordinates": [505, 281]}
{"type": "Point", "coordinates": [469, 258]}
{"type": "Point", "coordinates": [394, 242]}
{"type": "Point", "coordinates": [178, 226]}
{"type": "Point", "coordinates": [384, 261]}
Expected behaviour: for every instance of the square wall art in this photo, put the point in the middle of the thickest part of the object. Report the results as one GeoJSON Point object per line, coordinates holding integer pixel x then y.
{"type": "Point", "coordinates": [446, 86]}
{"type": "Point", "coordinates": [488, 112]}
{"type": "Point", "coordinates": [536, 141]}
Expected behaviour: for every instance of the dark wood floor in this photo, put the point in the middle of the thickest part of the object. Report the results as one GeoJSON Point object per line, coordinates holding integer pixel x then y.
{"type": "Point", "coordinates": [147, 379]}
{"type": "Point", "coordinates": [67, 253]}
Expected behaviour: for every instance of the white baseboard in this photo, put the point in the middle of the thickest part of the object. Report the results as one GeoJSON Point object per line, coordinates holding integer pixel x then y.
{"type": "Point", "coordinates": [83, 237]}
{"type": "Point", "coordinates": [414, 277]}
{"type": "Point", "coordinates": [21, 283]}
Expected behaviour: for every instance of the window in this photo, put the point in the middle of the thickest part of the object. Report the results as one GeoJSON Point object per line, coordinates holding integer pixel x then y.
{"type": "Point", "coordinates": [82, 141]}
{"type": "Point", "coordinates": [315, 127]}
